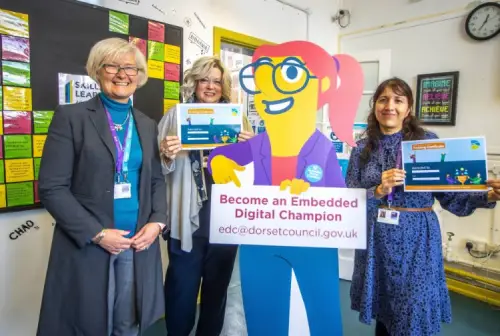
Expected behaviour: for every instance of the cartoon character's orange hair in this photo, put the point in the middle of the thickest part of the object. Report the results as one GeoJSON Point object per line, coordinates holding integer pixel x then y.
{"type": "Point", "coordinates": [342, 97]}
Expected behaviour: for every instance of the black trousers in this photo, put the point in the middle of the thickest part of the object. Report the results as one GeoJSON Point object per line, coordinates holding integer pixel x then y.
{"type": "Point", "coordinates": [381, 330]}
{"type": "Point", "coordinates": [214, 264]}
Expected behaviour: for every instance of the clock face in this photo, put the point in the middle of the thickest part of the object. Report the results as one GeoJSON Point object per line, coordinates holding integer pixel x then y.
{"type": "Point", "coordinates": [484, 22]}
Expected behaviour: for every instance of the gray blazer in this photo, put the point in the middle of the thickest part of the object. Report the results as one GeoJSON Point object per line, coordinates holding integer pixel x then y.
{"type": "Point", "coordinates": [76, 181]}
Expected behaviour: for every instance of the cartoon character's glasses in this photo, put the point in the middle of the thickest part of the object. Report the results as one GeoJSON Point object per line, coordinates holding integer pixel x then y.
{"type": "Point", "coordinates": [289, 77]}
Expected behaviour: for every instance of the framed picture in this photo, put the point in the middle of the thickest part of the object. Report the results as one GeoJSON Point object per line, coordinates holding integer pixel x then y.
{"type": "Point", "coordinates": [437, 98]}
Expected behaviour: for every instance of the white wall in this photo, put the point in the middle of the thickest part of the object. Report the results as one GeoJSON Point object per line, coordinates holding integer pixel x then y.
{"type": "Point", "coordinates": [265, 19]}
{"type": "Point", "coordinates": [425, 37]}
{"type": "Point", "coordinates": [23, 261]}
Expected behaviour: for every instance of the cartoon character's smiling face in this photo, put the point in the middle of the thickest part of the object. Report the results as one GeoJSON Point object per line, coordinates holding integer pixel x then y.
{"type": "Point", "coordinates": [283, 88]}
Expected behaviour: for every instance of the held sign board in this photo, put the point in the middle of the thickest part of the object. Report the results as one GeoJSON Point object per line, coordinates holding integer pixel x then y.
{"type": "Point", "coordinates": [264, 215]}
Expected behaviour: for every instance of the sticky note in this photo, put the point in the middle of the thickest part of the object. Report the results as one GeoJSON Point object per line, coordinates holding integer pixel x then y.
{"type": "Point", "coordinates": [35, 187]}
{"type": "Point", "coordinates": [172, 54]}
{"type": "Point", "coordinates": [1, 124]}
{"type": "Point", "coordinates": [17, 122]}
{"type": "Point", "coordinates": [17, 146]}
{"type": "Point", "coordinates": [1, 147]}
{"type": "Point", "coordinates": [1, 98]}
{"type": "Point", "coordinates": [20, 194]}
{"type": "Point", "coordinates": [171, 90]}
{"type": "Point", "coordinates": [15, 49]}
{"type": "Point", "coordinates": [19, 170]}
{"type": "Point", "coordinates": [172, 72]}
{"type": "Point", "coordinates": [42, 120]}
{"type": "Point", "coordinates": [118, 22]}
{"type": "Point", "coordinates": [13, 23]}
{"type": "Point", "coordinates": [2, 172]}
{"type": "Point", "coordinates": [140, 44]}
{"type": "Point", "coordinates": [156, 31]}
{"type": "Point", "coordinates": [3, 200]}
{"type": "Point", "coordinates": [155, 69]}
{"type": "Point", "coordinates": [16, 73]}
{"type": "Point", "coordinates": [16, 99]}
{"type": "Point", "coordinates": [36, 161]}
{"type": "Point", "coordinates": [38, 143]}
{"type": "Point", "coordinates": [156, 51]}
{"type": "Point", "coordinates": [168, 104]}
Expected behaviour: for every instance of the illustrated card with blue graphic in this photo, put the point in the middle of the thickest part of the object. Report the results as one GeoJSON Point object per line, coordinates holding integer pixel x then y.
{"type": "Point", "coordinates": [207, 126]}
{"type": "Point", "coordinates": [445, 165]}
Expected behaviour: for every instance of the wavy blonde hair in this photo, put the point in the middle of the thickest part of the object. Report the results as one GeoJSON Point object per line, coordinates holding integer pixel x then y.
{"type": "Point", "coordinates": [112, 49]}
{"type": "Point", "coordinates": [199, 70]}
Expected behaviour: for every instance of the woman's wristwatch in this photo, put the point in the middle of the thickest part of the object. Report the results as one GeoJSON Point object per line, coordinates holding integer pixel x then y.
{"type": "Point", "coordinates": [97, 239]}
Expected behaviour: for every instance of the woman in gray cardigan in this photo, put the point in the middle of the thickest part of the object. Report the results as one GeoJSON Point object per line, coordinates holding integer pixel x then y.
{"type": "Point", "coordinates": [191, 256]}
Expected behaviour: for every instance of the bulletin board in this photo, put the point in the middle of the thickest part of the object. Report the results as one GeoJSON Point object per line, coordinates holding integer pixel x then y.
{"type": "Point", "coordinates": [40, 40]}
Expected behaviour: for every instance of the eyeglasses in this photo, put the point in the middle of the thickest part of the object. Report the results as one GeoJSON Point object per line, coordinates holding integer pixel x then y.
{"type": "Point", "coordinates": [206, 81]}
{"type": "Point", "coordinates": [113, 69]}
{"type": "Point", "coordinates": [293, 75]}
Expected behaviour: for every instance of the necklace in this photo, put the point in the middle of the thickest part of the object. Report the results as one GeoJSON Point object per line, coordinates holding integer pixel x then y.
{"type": "Point", "coordinates": [119, 127]}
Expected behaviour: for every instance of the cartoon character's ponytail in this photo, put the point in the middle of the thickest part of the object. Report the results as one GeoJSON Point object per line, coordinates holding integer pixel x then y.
{"type": "Point", "coordinates": [345, 97]}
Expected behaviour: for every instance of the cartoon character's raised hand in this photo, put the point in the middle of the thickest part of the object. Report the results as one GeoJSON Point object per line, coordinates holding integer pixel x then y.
{"type": "Point", "coordinates": [223, 170]}
{"type": "Point", "coordinates": [297, 186]}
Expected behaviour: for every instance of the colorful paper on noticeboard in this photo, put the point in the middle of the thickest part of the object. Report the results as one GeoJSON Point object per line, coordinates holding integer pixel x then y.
{"type": "Point", "coordinates": [17, 122]}
{"type": "Point", "coordinates": [16, 99]}
{"type": "Point", "coordinates": [41, 121]}
{"type": "Point", "coordinates": [171, 90]}
{"type": "Point", "coordinates": [140, 43]}
{"type": "Point", "coordinates": [2, 172]}
{"type": "Point", "coordinates": [172, 72]}
{"type": "Point", "coordinates": [13, 23]}
{"type": "Point", "coordinates": [15, 49]}
{"type": "Point", "coordinates": [19, 170]}
{"type": "Point", "coordinates": [16, 73]}
{"type": "Point", "coordinates": [38, 143]}
{"type": "Point", "coordinates": [118, 22]}
{"type": "Point", "coordinates": [156, 51]}
{"type": "Point", "coordinates": [172, 54]}
{"type": "Point", "coordinates": [155, 69]}
{"type": "Point", "coordinates": [19, 194]}
{"type": "Point", "coordinates": [17, 146]}
{"type": "Point", "coordinates": [156, 31]}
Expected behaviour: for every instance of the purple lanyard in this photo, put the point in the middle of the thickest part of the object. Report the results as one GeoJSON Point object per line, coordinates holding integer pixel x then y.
{"type": "Point", "coordinates": [390, 197]}
{"type": "Point", "coordinates": [120, 149]}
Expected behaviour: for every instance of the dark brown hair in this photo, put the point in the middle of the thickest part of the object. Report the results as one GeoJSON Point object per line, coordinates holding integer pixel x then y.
{"type": "Point", "coordinates": [411, 126]}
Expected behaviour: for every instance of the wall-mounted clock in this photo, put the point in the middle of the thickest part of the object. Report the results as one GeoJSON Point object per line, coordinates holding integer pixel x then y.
{"type": "Point", "coordinates": [483, 22]}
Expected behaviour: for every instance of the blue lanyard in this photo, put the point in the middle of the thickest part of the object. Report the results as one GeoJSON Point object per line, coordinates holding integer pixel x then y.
{"type": "Point", "coordinates": [123, 154]}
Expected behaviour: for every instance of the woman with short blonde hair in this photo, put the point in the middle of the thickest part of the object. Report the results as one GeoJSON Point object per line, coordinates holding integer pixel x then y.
{"type": "Point", "coordinates": [105, 189]}
{"type": "Point", "coordinates": [191, 256]}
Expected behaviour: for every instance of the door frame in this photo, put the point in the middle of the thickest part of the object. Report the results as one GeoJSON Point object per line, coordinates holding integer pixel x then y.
{"type": "Point", "coordinates": [228, 36]}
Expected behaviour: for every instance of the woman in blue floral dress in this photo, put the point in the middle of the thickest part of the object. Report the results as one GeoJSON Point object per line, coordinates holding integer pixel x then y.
{"type": "Point", "coordinates": [399, 279]}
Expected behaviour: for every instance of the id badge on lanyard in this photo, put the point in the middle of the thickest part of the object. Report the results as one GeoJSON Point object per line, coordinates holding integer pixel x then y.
{"type": "Point", "coordinates": [123, 188]}
{"type": "Point", "coordinates": [389, 215]}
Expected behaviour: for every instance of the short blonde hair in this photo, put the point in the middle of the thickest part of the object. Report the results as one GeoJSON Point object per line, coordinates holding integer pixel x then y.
{"type": "Point", "coordinates": [199, 70]}
{"type": "Point", "coordinates": [111, 49]}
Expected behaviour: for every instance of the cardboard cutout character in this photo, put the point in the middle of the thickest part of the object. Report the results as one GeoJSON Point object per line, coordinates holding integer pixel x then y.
{"type": "Point", "coordinates": [290, 83]}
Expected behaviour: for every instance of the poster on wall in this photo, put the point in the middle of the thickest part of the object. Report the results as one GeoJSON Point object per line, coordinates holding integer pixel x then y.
{"type": "Point", "coordinates": [76, 88]}
{"type": "Point", "coordinates": [437, 98]}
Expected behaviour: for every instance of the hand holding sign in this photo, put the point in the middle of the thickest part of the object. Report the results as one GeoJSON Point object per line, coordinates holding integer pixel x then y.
{"type": "Point", "coordinates": [390, 179]}
{"type": "Point", "coordinates": [223, 170]}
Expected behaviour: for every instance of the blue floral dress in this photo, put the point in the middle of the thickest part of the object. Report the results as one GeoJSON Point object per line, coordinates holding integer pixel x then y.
{"type": "Point", "coordinates": [399, 279]}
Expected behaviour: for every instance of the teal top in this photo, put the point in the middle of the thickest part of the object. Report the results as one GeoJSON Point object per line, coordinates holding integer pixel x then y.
{"type": "Point", "coordinates": [126, 210]}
